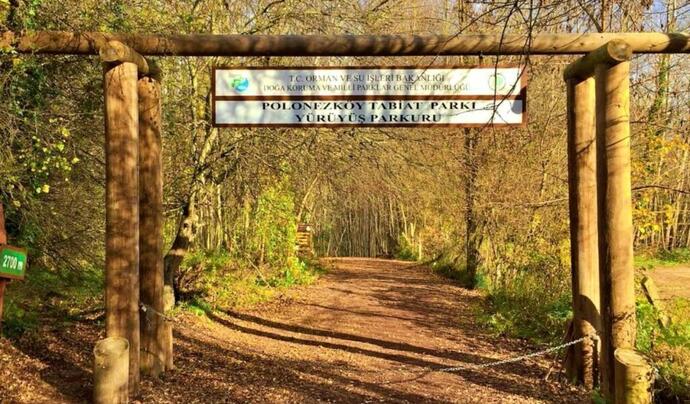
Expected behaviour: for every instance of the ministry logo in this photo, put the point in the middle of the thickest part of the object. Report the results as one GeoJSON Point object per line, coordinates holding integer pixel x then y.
{"type": "Point", "coordinates": [239, 83]}
{"type": "Point", "coordinates": [497, 82]}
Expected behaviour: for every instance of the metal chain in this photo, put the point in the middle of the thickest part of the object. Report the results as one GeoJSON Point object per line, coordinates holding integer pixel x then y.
{"type": "Point", "coordinates": [518, 358]}
{"type": "Point", "coordinates": [146, 308]}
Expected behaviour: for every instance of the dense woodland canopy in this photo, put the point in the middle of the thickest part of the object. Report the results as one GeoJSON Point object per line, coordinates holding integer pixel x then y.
{"type": "Point", "coordinates": [499, 195]}
{"type": "Point", "coordinates": [492, 200]}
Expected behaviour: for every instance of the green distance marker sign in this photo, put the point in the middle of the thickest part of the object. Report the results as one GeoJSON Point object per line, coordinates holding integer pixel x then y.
{"type": "Point", "coordinates": [12, 262]}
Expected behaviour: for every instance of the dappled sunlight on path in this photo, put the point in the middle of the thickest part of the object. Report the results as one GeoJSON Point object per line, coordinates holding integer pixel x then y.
{"type": "Point", "coordinates": [367, 331]}
{"type": "Point", "coordinates": [370, 330]}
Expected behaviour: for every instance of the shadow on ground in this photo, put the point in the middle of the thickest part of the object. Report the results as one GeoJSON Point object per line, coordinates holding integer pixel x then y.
{"type": "Point", "coordinates": [371, 330]}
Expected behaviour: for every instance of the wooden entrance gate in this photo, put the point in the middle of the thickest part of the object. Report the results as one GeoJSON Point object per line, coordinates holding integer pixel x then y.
{"type": "Point", "coordinates": [599, 170]}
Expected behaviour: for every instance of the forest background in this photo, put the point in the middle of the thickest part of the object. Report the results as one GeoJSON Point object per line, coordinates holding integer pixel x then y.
{"type": "Point", "coordinates": [487, 207]}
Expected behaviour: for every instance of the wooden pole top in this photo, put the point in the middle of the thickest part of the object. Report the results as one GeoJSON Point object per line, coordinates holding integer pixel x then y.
{"type": "Point", "coordinates": [89, 43]}
{"type": "Point", "coordinates": [611, 53]}
{"type": "Point", "coordinates": [117, 52]}
{"type": "Point", "coordinates": [630, 357]}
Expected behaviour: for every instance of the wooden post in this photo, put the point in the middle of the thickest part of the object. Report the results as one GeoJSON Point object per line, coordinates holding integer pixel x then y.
{"type": "Point", "coordinates": [110, 371]}
{"type": "Point", "coordinates": [583, 228]}
{"type": "Point", "coordinates": [122, 210]}
{"type": "Point", "coordinates": [652, 294]}
{"type": "Point", "coordinates": [3, 231]}
{"type": "Point", "coordinates": [151, 228]}
{"type": "Point", "coordinates": [615, 215]}
{"type": "Point", "coordinates": [3, 281]}
{"type": "Point", "coordinates": [633, 378]}
{"type": "Point", "coordinates": [168, 304]}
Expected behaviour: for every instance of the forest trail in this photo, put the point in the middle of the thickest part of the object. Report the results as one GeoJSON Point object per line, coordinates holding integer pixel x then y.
{"type": "Point", "coordinates": [367, 331]}
{"type": "Point", "coordinates": [672, 280]}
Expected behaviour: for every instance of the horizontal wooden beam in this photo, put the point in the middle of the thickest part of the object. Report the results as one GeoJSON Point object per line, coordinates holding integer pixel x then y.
{"type": "Point", "coordinates": [611, 53]}
{"type": "Point", "coordinates": [88, 43]}
{"type": "Point", "coordinates": [117, 52]}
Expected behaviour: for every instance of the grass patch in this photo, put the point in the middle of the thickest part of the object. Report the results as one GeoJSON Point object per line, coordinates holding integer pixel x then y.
{"type": "Point", "coordinates": [525, 308]}
{"type": "Point", "coordinates": [449, 268]}
{"type": "Point", "coordinates": [61, 296]}
{"type": "Point", "coordinates": [507, 302]}
{"type": "Point", "coordinates": [213, 280]}
{"type": "Point", "coordinates": [662, 258]}
{"type": "Point", "coordinates": [216, 280]}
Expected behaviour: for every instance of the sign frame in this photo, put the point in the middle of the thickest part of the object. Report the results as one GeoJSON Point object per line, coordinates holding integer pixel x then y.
{"type": "Point", "coordinates": [522, 96]}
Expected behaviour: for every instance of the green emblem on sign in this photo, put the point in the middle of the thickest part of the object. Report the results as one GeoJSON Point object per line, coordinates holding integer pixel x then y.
{"type": "Point", "coordinates": [239, 83]}
{"type": "Point", "coordinates": [497, 82]}
{"type": "Point", "coordinates": [12, 262]}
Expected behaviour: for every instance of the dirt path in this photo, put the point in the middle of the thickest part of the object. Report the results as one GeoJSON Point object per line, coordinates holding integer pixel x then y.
{"type": "Point", "coordinates": [672, 281]}
{"type": "Point", "coordinates": [365, 332]}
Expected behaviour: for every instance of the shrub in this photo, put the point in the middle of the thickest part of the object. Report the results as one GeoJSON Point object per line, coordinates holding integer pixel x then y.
{"type": "Point", "coordinates": [548, 305]}
{"type": "Point", "coordinates": [407, 249]}
{"type": "Point", "coordinates": [452, 268]}
{"type": "Point", "coordinates": [217, 279]}
{"type": "Point", "coordinates": [668, 348]}
{"type": "Point", "coordinates": [64, 295]}
{"type": "Point", "coordinates": [274, 233]}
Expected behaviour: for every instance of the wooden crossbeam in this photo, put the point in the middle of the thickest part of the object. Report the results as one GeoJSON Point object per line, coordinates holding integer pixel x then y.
{"type": "Point", "coordinates": [89, 43]}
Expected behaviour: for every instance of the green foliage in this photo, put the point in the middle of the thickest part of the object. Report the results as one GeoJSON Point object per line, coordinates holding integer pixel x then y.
{"type": "Point", "coordinates": [17, 320]}
{"type": "Point", "coordinates": [196, 306]}
{"type": "Point", "coordinates": [663, 258]}
{"type": "Point", "coordinates": [597, 397]}
{"type": "Point", "coordinates": [534, 280]}
{"type": "Point", "coordinates": [647, 325]}
{"type": "Point", "coordinates": [408, 245]}
{"type": "Point", "coordinates": [217, 279]}
{"type": "Point", "coordinates": [406, 250]}
{"type": "Point", "coordinates": [259, 260]}
{"type": "Point", "coordinates": [452, 269]}
{"type": "Point", "coordinates": [297, 273]}
{"type": "Point", "coordinates": [25, 15]}
{"type": "Point", "coordinates": [274, 231]}
{"type": "Point", "coordinates": [549, 308]}
{"type": "Point", "coordinates": [62, 295]}
{"type": "Point", "coordinates": [668, 348]}
{"type": "Point", "coordinates": [37, 160]}
{"type": "Point", "coordinates": [538, 284]}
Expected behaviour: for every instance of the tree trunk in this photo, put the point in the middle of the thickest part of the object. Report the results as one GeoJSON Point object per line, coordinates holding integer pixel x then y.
{"type": "Point", "coordinates": [183, 241]}
{"type": "Point", "coordinates": [471, 238]}
{"type": "Point", "coordinates": [187, 229]}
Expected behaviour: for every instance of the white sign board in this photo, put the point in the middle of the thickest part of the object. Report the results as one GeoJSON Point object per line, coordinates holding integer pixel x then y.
{"type": "Point", "coordinates": [358, 82]}
{"type": "Point", "coordinates": [368, 112]}
{"type": "Point", "coordinates": [363, 96]}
